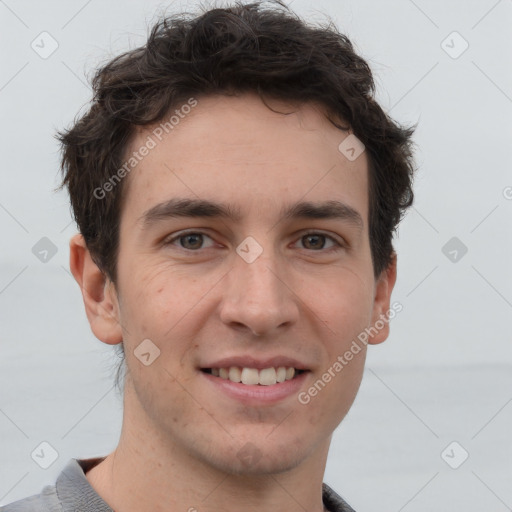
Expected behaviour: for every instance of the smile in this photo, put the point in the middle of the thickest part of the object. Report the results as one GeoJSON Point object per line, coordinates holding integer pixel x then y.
{"type": "Point", "coordinates": [253, 376]}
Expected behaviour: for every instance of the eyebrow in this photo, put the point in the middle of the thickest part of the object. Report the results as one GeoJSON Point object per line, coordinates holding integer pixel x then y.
{"type": "Point", "coordinates": [189, 207]}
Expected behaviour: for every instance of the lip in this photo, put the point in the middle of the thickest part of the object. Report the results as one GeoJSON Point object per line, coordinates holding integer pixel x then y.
{"type": "Point", "coordinates": [259, 364]}
{"type": "Point", "coordinates": [257, 394]}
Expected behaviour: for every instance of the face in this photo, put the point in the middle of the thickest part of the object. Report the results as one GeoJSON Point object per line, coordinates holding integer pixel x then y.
{"type": "Point", "coordinates": [221, 264]}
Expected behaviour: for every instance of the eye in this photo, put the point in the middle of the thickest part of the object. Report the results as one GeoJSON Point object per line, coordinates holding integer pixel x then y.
{"type": "Point", "coordinates": [317, 241]}
{"type": "Point", "coordinates": [314, 241]}
{"type": "Point", "coordinates": [191, 240]}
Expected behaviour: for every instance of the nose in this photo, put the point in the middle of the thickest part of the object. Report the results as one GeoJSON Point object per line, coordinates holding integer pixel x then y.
{"type": "Point", "coordinates": [257, 297]}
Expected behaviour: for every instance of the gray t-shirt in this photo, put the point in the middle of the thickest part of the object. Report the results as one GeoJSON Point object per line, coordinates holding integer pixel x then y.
{"type": "Point", "coordinates": [73, 493]}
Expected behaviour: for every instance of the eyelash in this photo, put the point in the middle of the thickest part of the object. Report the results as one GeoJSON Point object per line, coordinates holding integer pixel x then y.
{"type": "Point", "coordinates": [338, 245]}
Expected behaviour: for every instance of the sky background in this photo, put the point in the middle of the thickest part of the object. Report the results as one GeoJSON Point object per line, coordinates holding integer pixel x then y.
{"type": "Point", "coordinates": [430, 428]}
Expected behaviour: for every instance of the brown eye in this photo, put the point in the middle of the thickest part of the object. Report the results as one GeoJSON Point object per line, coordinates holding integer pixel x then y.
{"type": "Point", "coordinates": [317, 242]}
{"type": "Point", "coordinates": [191, 241]}
{"type": "Point", "coordinates": [314, 241]}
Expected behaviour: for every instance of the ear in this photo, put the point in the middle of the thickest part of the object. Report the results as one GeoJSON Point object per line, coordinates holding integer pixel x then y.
{"type": "Point", "coordinates": [381, 304]}
{"type": "Point", "coordinates": [98, 292]}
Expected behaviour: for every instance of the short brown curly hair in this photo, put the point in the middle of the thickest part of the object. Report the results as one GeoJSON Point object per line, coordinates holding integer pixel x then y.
{"type": "Point", "coordinates": [260, 47]}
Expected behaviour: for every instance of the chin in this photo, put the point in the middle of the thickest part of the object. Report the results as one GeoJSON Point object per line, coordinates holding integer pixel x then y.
{"type": "Point", "coordinates": [266, 465]}
{"type": "Point", "coordinates": [255, 458]}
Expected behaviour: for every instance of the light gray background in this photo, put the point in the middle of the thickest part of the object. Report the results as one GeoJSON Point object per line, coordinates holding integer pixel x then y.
{"type": "Point", "coordinates": [444, 375]}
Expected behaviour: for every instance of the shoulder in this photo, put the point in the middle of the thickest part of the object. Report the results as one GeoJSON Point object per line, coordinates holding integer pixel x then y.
{"type": "Point", "coordinates": [333, 502]}
{"type": "Point", "coordinates": [70, 493]}
{"type": "Point", "coordinates": [45, 501]}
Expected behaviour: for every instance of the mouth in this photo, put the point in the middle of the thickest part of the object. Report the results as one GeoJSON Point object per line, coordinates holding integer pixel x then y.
{"type": "Point", "coordinates": [254, 376]}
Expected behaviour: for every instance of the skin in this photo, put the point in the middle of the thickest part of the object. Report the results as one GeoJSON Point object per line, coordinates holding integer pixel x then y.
{"type": "Point", "coordinates": [197, 303]}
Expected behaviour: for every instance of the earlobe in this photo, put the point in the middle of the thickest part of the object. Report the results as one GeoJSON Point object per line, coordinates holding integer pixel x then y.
{"type": "Point", "coordinates": [379, 328]}
{"type": "Point", "coordinates": [98, 292]}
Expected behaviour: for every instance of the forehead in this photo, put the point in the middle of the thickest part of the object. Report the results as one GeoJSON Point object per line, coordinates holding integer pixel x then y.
{"type": "Point", "coordinates": [239, 151]}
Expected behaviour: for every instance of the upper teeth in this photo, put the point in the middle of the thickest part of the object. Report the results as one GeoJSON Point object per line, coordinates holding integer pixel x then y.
{"type": "Point", "coordinates": [253, 376]}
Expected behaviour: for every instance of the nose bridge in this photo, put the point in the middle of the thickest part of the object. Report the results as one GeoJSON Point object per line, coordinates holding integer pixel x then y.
{"type": "Point", "coordinates": [257, 296]}
{"type": "Point", "coordinates": [261, 278]}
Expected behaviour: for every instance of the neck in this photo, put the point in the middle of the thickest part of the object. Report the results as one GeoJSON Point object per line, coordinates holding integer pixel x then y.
{"type": "Point", "coordinates": [147, 471]}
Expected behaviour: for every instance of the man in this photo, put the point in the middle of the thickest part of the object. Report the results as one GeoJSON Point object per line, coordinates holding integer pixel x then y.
{"type": "Point", "coordinates": [236, 188]}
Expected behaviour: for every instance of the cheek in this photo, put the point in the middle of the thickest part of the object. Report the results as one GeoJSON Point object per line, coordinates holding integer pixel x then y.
{"type": "Point", "coordinates": [328, 398]}
{"type": "Point", "coordinates": [156, 297]}
{"type": "Point", "coordinates": [167, 307]}
{"type": "Point", "coordinates": [344, 303]}
{"type": "Point", "coordinates": [172, 404]}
